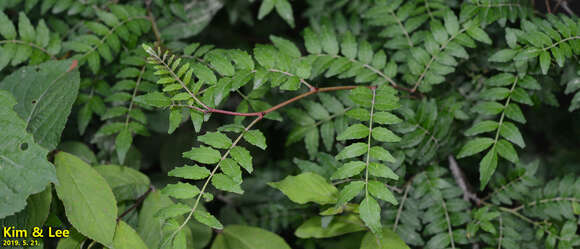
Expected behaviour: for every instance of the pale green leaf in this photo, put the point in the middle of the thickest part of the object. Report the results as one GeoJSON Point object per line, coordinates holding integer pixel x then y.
{"type": "Point", "coordinates": [127, 238]}
{"type": "Point", "coordinates": [511, 132]}
{"type": "Point", "coordinates": [217, 140]}
{"type": "Point", "coordinates": [380, 190]}
{"type": "Point", "coordinates": [203, 154]}
{"type": "Point", "coordinates": [243, 157]}
{"type": "Point", "coordinates": [89, 203]}
{"type": "Point", "coordinates": [126, 183]}
{"type": "Point", "coordinates": [370, 213]}
{"type": "Point", "coordinates": [349, 169]}
{"type": "Point", "coordinates": [255, 137]}
{"type": "Point", "coordinates": [487, 167]}
{"type": "Point", "coordinates": [180, 190]}
{"type": "Point", "coordinates": [387, 240]}
{"type": "Point", "coordinates": [206, 218]}
{"type": "Point", "coordinates": [475, 146]}
{"type": "Point", "coordinates": [45, 94]}
{"type": "Point", "coordinates": [24, 169]}
{"type": "Point", "coordinates": [307, 187]}
{"type": "Point", "coordinates": [355, 131]}
{"type": "Point", "coordinates": [351, 151]}
{"type": "Point", "coordinates": [312, 228]}
{"type": "Point", "coordinates": [190, 172]}
{"type": "Point", "coordinates": [350, 191]}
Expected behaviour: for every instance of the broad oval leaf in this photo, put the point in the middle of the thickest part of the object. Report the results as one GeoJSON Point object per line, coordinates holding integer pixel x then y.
{"type": "Point", "coordinates": [45, 94]}
{"type": "Point", "coordinates": [387, 240]}
{"type": "Point", "coordinates": [89, 203]}
{"type": "Point", "coordinates": [247, 237]}
{"type": "Point", "coordinates": [24, 169]}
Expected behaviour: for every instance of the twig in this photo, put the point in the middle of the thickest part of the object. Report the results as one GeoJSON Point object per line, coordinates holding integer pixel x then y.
{"type": "Point", "coordinates": [548, 6]}
{"type": "Point", "coordinates": [566, 8]}
{"type": "Point", "coordinates": [137, 203]}
{"type": "Point", "coordinates": [276, 107]}
{"type": "Point", "coordinates": [460, 179]}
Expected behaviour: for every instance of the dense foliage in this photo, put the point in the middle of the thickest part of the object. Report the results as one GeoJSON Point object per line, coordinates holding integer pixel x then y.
{"type": "Point", "coordinates": [311, 124]}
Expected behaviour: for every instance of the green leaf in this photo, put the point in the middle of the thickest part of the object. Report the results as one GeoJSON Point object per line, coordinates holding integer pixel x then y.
{"type": "Point", "coordinates": [285, 46]}
{"type": "Point", "coordinates": [370, 213]}
{"type": "Point", "coordinates": [24, 169]}
{"type": "Point", "coordinates": [380, 190]}
{"type": "Point", "coordinates": [439, 33]}
{"type": "Point", "coordinates": [7, 29]}
{"type": "Point", "coordinates": [284, 9]}
{"type": "Point", "coordinates": [385, 118]}
{"type": "Point", "coordinates": [351, 151]}
{"type": "Point", "coordinates": [172, 210]}
{"type": "Point", "coordinates": [475, 146]}
{"type": "Point", "coordinates": [382, 154]}
{"type": "Point", "coordinates": [328, 40]}
{"type": "Point", "coordinates": [307, 187]}
{"type": "Point", "coordinates": [265, 8]}
{"type": "Point", "coordinates": [220, 62]}
{"type": "Point", "coordinates": [265, 55]}
{"type": "Point", "coordinates": [25, 28]}
{"type": "Point", "coordinates": [487, 167]}
{"type": "Point", "coordinates": [387, 240]}
{"type": "Point", "coordinates": [545, 61]}
{"type": "Point", "coordinates": [247, 237]}
{"type": "Point", "coordinates": [149, 226]}
{"type": "Point", "coordinates": [384, 135]}
{"type": "Point", "coordinates": [243, 157]}
{"type": "Point", "coordinates": [503, 55]}
{"type": "Point", "coordinates": [45, 94]}
{"type": "Point", "coordinates": [217, 140]}
{"type": "Point", "coordinates": [349, 46]}
{"type": "Point", "coordinates": [316, 110]}
{"type": "Point", "coordinates": [42, 34]}
{"type": "Point", "coordinates": [203, 73]}
{"type": "Point", "coordinates": [381, 170]}
{"type": "Point", "coordinates": [206, 218]}
{"type": "Point", "coordinates": [155, 99]}
{"type": "Point", "coordinates": [180, 190]}
{"type": "Point", "coordinates": [255, 137]}
{"type": "Point", "coordinates": [203, 154]}
{"type": "Point", "coordinates": [123, 142]}
{"type": "Point", "coordinates": [313, 228]}
{"type": "Point", "coordinates": [507, 151]}
{"type": "Point", "coordinates": [226, 183]}
{"type": "Point", "coordinates": [451, 23]}
{"type": "Point", "coordinates": [502, 79]}
{"type": "Point", "coordinates": [482, 127]}
{"type": "Point", "coordinates": [89, 203]}
{"type": "Point", "coordinates": [511, 132]}
{"type": "Point", "coordinates": [365, 52]}
{"type": "Point", "coordinates": [311, 41]}
{"type": "Point", "coordinates": [514, 112]}
{"type": "Point", "coordinates": [126, 183]}
{"type": "Point", "coordinates": [348, 169]}
{"type": "Point", "coordinates": [190, 172]}
{"type": "Point", "coordinates": [488, 108]}
{"type": "Point", "coordinates": [478, 34]}
{"type": "Point", "coordinates": [127, 238]}
{"type": "Point", "coordinates": [350, 191]}
{"type": "Point", "coordinates": [355, 131]}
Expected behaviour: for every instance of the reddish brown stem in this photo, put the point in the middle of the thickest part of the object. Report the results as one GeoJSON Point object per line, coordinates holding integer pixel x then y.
{"type": "Point", "coordinates": [278, 106]}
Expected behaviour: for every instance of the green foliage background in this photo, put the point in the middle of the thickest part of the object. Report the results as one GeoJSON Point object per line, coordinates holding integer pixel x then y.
{"type": "Point", "coordinates": [275, 124]}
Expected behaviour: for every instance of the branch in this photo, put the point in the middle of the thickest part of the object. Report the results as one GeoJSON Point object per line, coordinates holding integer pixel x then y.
{"type": "Point", "coordinates": [276, 107]}
{"type": "Point", "coordinates": [137, 203]}
{"type": "Point", "coordinates": [460, 179]}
